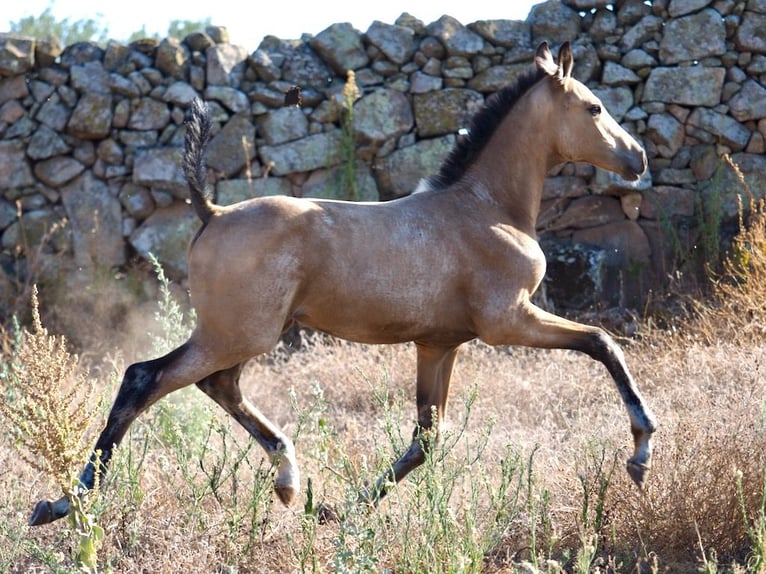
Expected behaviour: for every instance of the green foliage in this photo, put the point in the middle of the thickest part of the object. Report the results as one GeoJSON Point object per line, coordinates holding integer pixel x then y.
{"type": "Point", "coordinates": [182, 28]}
{"type": "Point", "coordinates": [46, 26]}
{"type": "Point", "coordinates": [351, 93]}
{"type": "Point", "coordinates": [176, 29]}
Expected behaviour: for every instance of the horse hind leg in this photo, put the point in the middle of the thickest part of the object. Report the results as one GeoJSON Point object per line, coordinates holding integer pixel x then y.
{"type": "Point", "coordinates": [142, 385]}
{"type": "Point", "coordinates": [434, 371]}
{"type": "Point", "coordinates": [223, 388]}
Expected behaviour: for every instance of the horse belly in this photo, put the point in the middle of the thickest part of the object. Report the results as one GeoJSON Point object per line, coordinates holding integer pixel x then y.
{"type": "Point", "coordinates": [387, 319]}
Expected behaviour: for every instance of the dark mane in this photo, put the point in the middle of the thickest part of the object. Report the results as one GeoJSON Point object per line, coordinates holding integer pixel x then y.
{"type": "Point", "coordinates": [482, 126]}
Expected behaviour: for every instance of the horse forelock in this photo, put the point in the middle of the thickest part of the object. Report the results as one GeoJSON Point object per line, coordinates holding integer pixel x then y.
{"type": "Point", "coordinates": [482, 126]}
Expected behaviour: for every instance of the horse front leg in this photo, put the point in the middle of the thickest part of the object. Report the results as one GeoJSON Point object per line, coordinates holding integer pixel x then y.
{"type": "Point", "coordinates": [537, 328]}
{"type": "Point", "coordinates": [434, 370]}
{"type": "Point", "coordinates": [143, 384]}
{"type": "Point", "coordinates": [223, 388]}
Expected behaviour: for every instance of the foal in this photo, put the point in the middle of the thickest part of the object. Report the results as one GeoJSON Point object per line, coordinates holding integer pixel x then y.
{"type": "Point", "coordinates": [456, 262]}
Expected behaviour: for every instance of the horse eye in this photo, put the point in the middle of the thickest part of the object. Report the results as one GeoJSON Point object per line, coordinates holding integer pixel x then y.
{"type": "Point", "coordinates": [595, 110]}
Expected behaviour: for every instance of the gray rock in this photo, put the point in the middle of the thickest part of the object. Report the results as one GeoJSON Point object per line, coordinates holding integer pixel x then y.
{"type": "Point", "coordinates": [341, 46]}
{"type": "Point", "coordinates": [750, 36]}
{"type": "Point", "coordinates": [17, 55]}
{"type": "Point", "coordinates": [616, 75]}
{"type": "Point", "coordinates": [401, 171]}
{"type": "Point", "coordinates": [683, 7]}
{"type": "Point", "coordinates": [148, 114]}
{"type": "Point", "coordinates": [283, 125]}
{"type": "Point", "coordinates": [92, 117]}
{"type": "Point", "coordinates": [588, 211]}
{"type": "Point", "coordinates": [198, 41]}
{"type": "Point", "coordinates": [446, 111]}
{"type": "Point", "coordinates": [396, 42]}
{"type": "Point", "coordinates": [36, 227]}
{"type": "Point", "coordinates": [749, 103]}
{"type": "Point", "coordinates": [457, 39]}
{"type": "Point", "coordinates": [8, 213]}
{"type": "Point", "coordinates": [663, 202]}
{"type": "Point", "coordinates": [81, 52]}
{"type": "Point", "coordinates": [180, 94]}
{"type": "Point", "coordinates": [89, 77]}
{"type": "Point", "coordinates": [268, 63]}
{"type": "Point", "coordinates": [421, 83]}
{"type": "Point", "coordinates": [604, 25]}
{"type": "Point", "coordinates": [694, 37]}
{"type": "Point", "coordinates": [496, 77]}
{"type": "Point", "coordinates": [636, 59]}
{"type": "Point", "coordinates": [726, 185]}
{"type": "Point", "coordinates": [564, 187]}
{"type": "Point", "coordinates": [116, 57]}
{"type": "Point", "coordinates": [226, 64]}
{"type": "Point", "coordinates": [95, 219]}
{"type": "Point", "coordinates": [505, 33]}
{"type": "Point", "coordinates": [381, 116]}
{"type": "Point", "coordinates": [643, 30]}
{"type": "Point", "coordinates": [554, 22]}
{"type": "Point", "coordinates": [14, 88]}
{"type": "Point", "coordinates": [302, 67]}
{"type": "Point", "coordinates": [160, 168]}
{"type": "Point", "coordinates": [14, 168]}
{"type": "Point", "coordinates": [631, 11]}
{"type": "Point", "coordinates": [307, 154]}
{"type": "Point", "coordinates": [232, 99]}
{"type": "Point", "coordinates": [687, 86]}
{"type": "Point", "coordinates": [136, 200]}
{"type": "Point", "coordinates": [667, 132]}
{"type": "Point", "coordinates": [172, 58]}
{"type": "Point", "coordinates": [109, 151]}
{"type": "Point", "coordinates": [57, 171]}
{"type": "Point", "coordinates": [721, 126]}
{"type": "Point", "coordinates": [46, 143]}
{"type": "Point", "coordinates": [233, 147]}
{"type": "Point", "coordinates": [123, 86]}
{"type": "Point", "coordinates": [166, 235]}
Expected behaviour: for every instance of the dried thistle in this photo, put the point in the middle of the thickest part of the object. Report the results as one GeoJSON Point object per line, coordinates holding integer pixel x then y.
{"type": "Point", "coordinates": [49, 405]}
{"type": "Point", "coordinates": [738, 311]}
{"type": "Point", "coordinates": [351, 91]}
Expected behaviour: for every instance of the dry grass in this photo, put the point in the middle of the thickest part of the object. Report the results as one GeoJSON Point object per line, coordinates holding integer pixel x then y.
{"type": "Point", "coordinates": [709, 399]}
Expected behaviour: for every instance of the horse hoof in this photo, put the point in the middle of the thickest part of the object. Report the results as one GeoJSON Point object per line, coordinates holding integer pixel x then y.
{"type": "Point", "coordinates": [638, 472]}
{"type": "Point", "coordinates": [42, 514]}
{"type": "Point", "coordinates": [286, 493]}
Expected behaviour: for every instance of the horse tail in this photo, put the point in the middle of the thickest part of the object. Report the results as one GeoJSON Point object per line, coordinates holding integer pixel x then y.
{"type": "Point", "coordinates": [197, 136]}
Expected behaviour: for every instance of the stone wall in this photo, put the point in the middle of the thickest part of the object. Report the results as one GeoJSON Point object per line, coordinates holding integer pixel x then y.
{"type": "Point", "coordinates": [91, 136]}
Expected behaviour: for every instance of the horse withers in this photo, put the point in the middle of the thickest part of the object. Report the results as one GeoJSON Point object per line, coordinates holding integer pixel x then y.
{"type": "Point", "coordinates": [457, 261]}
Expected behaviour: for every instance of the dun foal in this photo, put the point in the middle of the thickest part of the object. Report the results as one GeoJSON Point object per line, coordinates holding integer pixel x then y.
{"type": "Point", "coordinates": [455, 262]}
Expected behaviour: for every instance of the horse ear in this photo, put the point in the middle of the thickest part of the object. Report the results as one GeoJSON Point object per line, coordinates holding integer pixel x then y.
{"type": "Point", "coordinates": [566, 61]}
{"type": "Point", "coordinates": [544, 60]}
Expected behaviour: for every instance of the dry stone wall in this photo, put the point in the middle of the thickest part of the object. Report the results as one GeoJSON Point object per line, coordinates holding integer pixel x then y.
{"type": "Point", "coordinates": [91, 137]}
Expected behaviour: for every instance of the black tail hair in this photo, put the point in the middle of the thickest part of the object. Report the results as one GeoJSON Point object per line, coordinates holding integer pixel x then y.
{"type": "Point", "coordinates": [197, 137]}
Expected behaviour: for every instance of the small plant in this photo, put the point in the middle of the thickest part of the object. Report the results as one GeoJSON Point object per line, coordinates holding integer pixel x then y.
{"type": "Point", "coordinates": [755, 528]}
{"type": "Point", "coordinates": [175, 324]}
{"type": "Point", "coordinates": [348, 138]}
{"type": "Point", "coordinates": [49, 409]}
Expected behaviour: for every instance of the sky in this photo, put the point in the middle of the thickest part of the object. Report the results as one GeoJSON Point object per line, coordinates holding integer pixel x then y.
{"type": "Point", "coordinates": [286, 19]}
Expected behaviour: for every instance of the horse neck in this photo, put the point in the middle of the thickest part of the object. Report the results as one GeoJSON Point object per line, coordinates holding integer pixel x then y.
{"type": "Point", "coordinates": [514, 163]}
